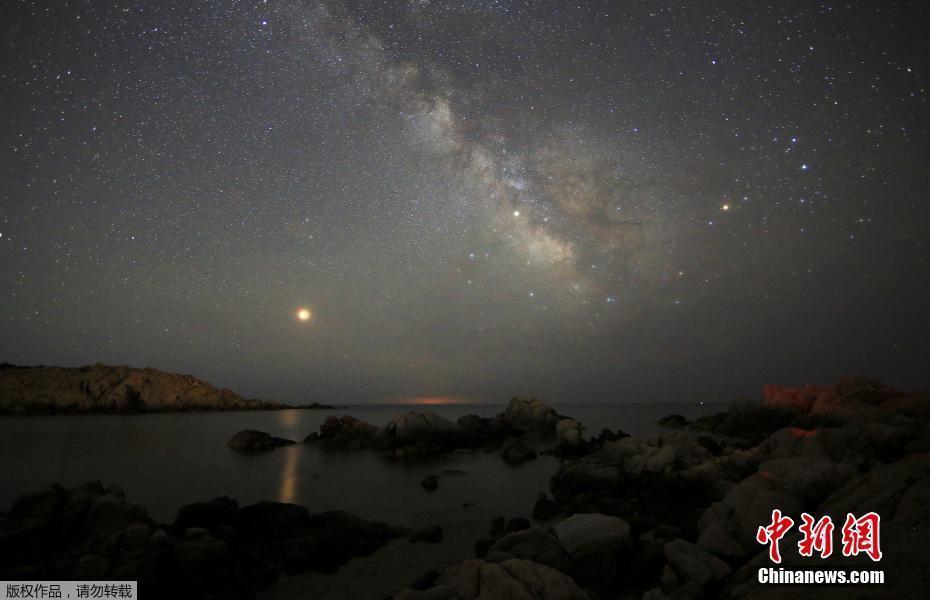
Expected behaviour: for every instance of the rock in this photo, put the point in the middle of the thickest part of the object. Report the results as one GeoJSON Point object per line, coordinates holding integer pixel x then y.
{"type": "Point", "coordinates": [483, 546]}
{"type": "Point", "coordinates": [483, 429]}
{"type": "Point", "coordinates": [214, 549]}
{"type": "Point", "coordinates": [208, 515]}
{"type": "Point", "coordinates": [346, 433]}
{"type": "Point", "coordinates": [453, 473]}
{"type": "Point", "coordinates": [516, 452]}
{"type": "Point", "coordinates": [674, 421]}
{"type": "Point", "coordinates": [751, 420]}
{"type": "Point", "coordinates": [568, 434]}
{"type": "Point", "coordinates": [430, 483]}
{"type": "Point", "coordinates": [668, 478]}
{"type": "Point", "coordinates": [497, 527]}
{"type": "Point", "coordinates": [41, 504]}
{"type": "Point", "coordinates": [534, 544]}
{"type": "Point", "coordinates": [588, 535]}
{"type": "Point", "coordinates": [425, 581]}
{"type": "Point", "coordinates": [711, 444]}
{"type": "Point", "coordinates": [530, 415]}
{"type": "Point", "coordinates": [544, 509]}
{"type": "Point", "coordinates": [286, 538]}
{"type": "Point", "coordinates": [516, 524]}
{"type": "Point", "coordinates": [249, 440]}
{"type": "Point", "coordinates": [111, 389]}
{"type": "Point", "coordinates": [745, 507]}
{"type": "Point", "coordinates": [694, 564]}
{"type": "Point", "coordinates": [513, 579]}
{"type": "Point", "coordinates": [430, 535]}
{"type": "Point", "coordinates": [423, 429]}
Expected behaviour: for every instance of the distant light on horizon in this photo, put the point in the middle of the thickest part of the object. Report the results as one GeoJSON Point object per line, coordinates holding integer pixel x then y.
{"type": "Point", "coordinates": [304, 314]}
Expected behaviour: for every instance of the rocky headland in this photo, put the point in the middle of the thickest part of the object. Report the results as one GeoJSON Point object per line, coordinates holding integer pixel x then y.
{"type": "Point", "coordinates": [98, 388]}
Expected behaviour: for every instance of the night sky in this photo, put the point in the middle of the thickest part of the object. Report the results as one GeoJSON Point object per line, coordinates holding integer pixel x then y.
{"type": "Point", "coordinates": [589, 201]}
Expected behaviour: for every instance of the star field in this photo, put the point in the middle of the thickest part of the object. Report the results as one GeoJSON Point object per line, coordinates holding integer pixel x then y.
{"type": "Point", "coordinates": [595, 201]}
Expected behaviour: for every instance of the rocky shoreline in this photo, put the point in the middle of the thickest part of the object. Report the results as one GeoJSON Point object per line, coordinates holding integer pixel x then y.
{"type": "Point", "coordinates": [669, 516]}
{"type": "Point", "coordinates": [107, 389]}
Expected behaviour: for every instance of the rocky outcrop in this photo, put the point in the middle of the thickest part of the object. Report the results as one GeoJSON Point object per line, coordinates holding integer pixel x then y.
{"type": "Point", "coordinates": [213, 550]}
{"type": "Point", "coordinates": [422, 433]}
{"type": "Point", "coordinates": [534, 544]}
{"type": "Point", "coordinates": [512, 579]}
{"type": "Point", "coordinates": [112, 389]}
{"type": "Point", "coordinates": [249, 440]}
{"type": "Point", "coordinates": [346, 433]}
{"type": "Point", "coordinates": [530, 415]}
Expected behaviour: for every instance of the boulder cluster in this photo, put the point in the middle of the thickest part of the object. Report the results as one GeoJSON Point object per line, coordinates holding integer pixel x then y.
{"type": "Point", "coordinates": [677, 515]}
{"type": "Point", "coordinates": [515, 433]}
{"type": "Point", "coordinates": [214, 549]}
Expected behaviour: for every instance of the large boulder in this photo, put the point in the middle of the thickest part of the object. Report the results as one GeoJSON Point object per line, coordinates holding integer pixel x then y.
{"type": "Point", "coordinates": [732, 522]}
{"type": "Point", "coordinates": [534, 544]}
{"type": "Point", "coordinates": [599, 546]}
{"type": "Point", "coordinates": [513, 579]}
{"type": "Point", "coordinates": [416, 434]}
{"type": "Point", "coordinates": [693, 564]}
{"type": "Point", "coordinates": [589, 535]}
{"type": "Point", "coordinates": [568, 433]}
{"type": "Point", "coordinates": [250, 440]}
{"type": "Point", "coordinates": [346, 433]}
{"type": "Point", "coordinates": [530, 415]}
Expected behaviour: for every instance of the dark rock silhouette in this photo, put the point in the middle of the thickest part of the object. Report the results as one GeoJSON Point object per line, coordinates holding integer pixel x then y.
{"type": "Point", "coordinates": [249, 440]}
{"type": "Point", "coordinates": [214, 549]}
{"type": "Point", "coordinates": [112, 389]}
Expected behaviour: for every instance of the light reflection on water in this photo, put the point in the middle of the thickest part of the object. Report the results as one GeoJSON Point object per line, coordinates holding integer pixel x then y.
{"type": "Point", "coordinates": [288, 490]}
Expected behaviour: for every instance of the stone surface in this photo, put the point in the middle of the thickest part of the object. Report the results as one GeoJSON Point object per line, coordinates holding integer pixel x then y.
{"type": "Point", "coordinates": [587, 535]}
{"type": "Point", "coordinates": [513, 579]}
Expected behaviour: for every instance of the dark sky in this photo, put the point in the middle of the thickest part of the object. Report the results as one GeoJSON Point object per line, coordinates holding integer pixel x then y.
{"type": "Point", "coordinates": [587, 201]}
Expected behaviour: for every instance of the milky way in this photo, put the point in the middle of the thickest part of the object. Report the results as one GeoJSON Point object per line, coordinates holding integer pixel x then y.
{"type": "Point", "coordinates": [601, 201]}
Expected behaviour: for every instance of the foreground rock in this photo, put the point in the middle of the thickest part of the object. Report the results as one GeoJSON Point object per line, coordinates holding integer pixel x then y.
{"type": "Point", "coordinates": [213, 550]}
{"type": "Point", "coordinates": [512, 579]}
{"type": "Point", "coordinates": [249, 440]}
{"type": "Point", "coordinates": [693, 504]}
{"type": "Point", "coordinates": [111, 389]}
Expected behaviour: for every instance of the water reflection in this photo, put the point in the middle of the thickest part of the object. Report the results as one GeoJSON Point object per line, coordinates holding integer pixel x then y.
{"type": "Point", "coordinates": [287, 490]}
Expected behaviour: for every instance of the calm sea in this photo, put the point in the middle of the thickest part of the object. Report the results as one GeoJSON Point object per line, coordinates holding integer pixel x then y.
{"type": "Point", "coordinates": [164, 461]}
